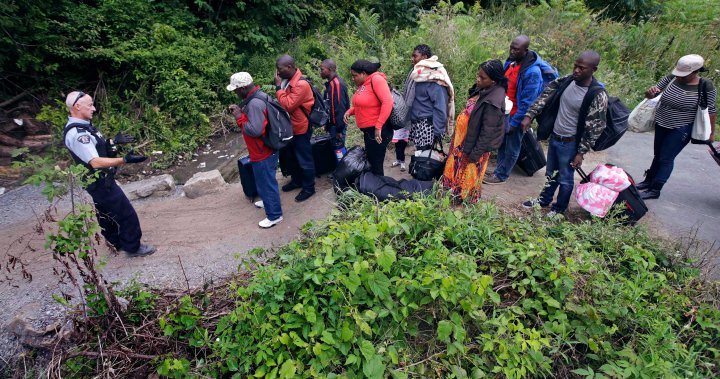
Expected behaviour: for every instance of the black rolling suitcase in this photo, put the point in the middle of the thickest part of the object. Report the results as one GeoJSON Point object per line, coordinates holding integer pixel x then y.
{"type": "Point", "coordinates": [532, 156]}
{"type": "Point", "coordinates": [247, 179]}
{"type": "Point", "coordinates": [323, 156]}
{"type": "Point", "coordinates": [633, 205]}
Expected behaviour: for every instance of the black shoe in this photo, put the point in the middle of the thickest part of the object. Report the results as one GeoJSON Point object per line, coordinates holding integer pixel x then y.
{"type": "Point", "coordinates": [290, 186]}
{"type": "Point", "coordinates": [650, 194]}
{"type": "Point", "coordinates": [642, 186]}
{"type": "Point", "coordinates": [303, 195]}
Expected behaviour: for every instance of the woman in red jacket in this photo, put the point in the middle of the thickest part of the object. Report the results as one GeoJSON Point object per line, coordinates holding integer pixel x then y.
{"type": "Point", "coordinates": [371, 106]}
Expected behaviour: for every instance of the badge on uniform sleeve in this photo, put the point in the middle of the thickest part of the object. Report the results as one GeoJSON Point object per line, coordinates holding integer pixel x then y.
{"type": "Point", "coordinates": [85, 139]}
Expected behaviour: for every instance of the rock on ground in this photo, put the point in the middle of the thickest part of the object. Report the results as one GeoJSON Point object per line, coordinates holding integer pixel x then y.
{"type": "Point", "coordinates": [204, 183]}
{"type": "Point", "coordinates": [161, 185]}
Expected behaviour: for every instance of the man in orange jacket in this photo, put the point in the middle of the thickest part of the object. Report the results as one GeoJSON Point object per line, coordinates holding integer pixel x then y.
{"type": "Point", "coordinates": [296, 96]}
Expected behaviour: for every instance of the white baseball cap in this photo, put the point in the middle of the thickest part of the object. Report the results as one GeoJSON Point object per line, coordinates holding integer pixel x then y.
{"type": "Point", "coordinates": [688, 64]}
{"type": "Point", "coordinates": [239, 80]}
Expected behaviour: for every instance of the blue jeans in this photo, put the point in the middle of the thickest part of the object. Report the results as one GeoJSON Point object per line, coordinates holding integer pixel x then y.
{"type": "Point", "coordinates": [267, 185]}
{"type": "Point", "coordinates": [558, 172]}
{"type": "Point", "coordinates": [508, 153]}
{"type": "Point", "coordinates": [305, 174]}
{"type": "Point", "coordinates": [667, 145]}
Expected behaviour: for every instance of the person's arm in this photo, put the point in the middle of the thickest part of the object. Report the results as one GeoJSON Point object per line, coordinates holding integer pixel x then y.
{"type": "Point", "coordinates": [340, 104]}
{"type": "Point", "coordinates": [491, 134]}
{"type": "Point", "coordinates": [532, 82]}
{"type": "Point", "coordinates": [255, 125]}
{"type": "Point", "coordinates": [293, 97]}
{"type": "Point", "coordinates": [712, 109]}
{"type": "Point", "coordinates": [101, 162]}
{"type": "Point", "coordinates": [439, 96]}
{"type": "Point", "coordinates": [543, 99]}
{"type": "Point", "coordinates": [382, 91]}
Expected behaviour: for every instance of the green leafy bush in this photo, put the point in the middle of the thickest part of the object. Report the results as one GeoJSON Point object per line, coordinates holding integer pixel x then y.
{"type": "Point", "coordinates": [417, 288]}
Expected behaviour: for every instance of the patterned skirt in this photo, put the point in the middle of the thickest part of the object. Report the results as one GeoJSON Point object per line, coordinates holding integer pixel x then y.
{"type": "Point", "coordinates": [421, 132]}
{"type": "Point", "coordinates": [462, 177]}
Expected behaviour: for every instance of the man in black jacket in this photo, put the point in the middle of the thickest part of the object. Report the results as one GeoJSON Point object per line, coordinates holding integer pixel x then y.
{"type": "Point", "coordinates": [336, 96]}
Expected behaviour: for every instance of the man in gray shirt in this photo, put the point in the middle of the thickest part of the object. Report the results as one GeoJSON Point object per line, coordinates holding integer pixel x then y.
{"type": "Point", "coordinates": [575, 129]}
{"type": "Point", "coordinates": [117, 217]}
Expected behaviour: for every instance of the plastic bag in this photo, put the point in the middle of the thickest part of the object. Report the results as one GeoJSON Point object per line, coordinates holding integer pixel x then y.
{"type": "Point", "coordinates": [642, 118]}
{"type": "Point", "coordinates": [350, 167]}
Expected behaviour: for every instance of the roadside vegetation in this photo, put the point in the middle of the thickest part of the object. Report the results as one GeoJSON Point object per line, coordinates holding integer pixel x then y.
{"type": "Point", "coordinates": [159, 69]}
{"type": "Point", "coordinates": [414, 288]}
{"type": "Point", "coordinates": [422, 289]}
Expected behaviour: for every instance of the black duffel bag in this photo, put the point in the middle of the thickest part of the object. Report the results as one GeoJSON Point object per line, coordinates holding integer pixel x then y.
{"type": "Point", "coordinates": [426, 167]}
{"type": "Point", "coordinates": [350, 167]}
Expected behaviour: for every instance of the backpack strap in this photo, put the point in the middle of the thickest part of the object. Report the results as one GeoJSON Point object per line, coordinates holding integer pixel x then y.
{"type": "Point", "coordinates": [593, 90]}
{"type": "Point", "coordinates": [702, 94]}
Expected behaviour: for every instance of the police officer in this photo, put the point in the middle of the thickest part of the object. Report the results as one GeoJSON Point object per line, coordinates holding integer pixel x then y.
{"type": "Point", "coordinates": [116, 216]}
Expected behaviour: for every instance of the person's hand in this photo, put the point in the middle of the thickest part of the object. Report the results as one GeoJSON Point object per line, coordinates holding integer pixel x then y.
{"type": "Point", "coordinates": [278, 79]}
{"type": "Point", "coordinates": [123, 138]}
{"type": "Point", "coordinates": [378, 135]}
{"type": "Point", "coordinates": [525, 123]}
{"type": "Point", "coordinates": [577, 162]}
{"type": "Point", "coordinates": [235, 109]}
{"type": "Point", "coordinates": [131, 157]}
{"type": "Point", "coordinates": [652, 92]}
{"type": "Point", "coordinates": [346, 116]}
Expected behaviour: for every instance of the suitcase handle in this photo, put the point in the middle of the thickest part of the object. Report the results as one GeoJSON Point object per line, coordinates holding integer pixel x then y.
{"type": "Point", "coordinates": [582, 174]}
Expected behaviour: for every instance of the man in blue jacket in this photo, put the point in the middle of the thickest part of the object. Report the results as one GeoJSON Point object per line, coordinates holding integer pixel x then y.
{"type": "Point", "coordinates": [525, 84]}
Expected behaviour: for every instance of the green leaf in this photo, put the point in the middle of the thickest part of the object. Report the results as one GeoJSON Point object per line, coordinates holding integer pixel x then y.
{"type": "Point", "coordinates": [367, 349]}
{"type": "Point", "coordinates": [288, 369]}
{"type": "Point", "coordinates": [444, 329]}
{"type": "Point", "coordinates": [386, 257]}
{"type": "Point", "coordinates": [374, 368]}
{"type": "Point", "coordinates": [352, 282]}
{"type": "Point", "coordinates": [379, 284]}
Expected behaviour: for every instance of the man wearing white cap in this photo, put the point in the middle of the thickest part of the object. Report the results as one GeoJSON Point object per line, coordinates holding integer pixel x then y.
{"type": "Point", "coordinates": [682, 92]}
{"type": "Point", "coordinates": [251, 117]}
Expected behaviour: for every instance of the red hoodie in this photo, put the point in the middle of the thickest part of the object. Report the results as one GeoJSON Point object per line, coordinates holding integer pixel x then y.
{"type": "Point", "coordinates": [372, 102]}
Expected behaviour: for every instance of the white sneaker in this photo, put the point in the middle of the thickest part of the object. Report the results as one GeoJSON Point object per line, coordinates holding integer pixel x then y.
{"type": "Point", "coordinates": [266, 223]}
{"type": "Point", "coordinates": [402, 166]}
{"type": "Point", "coordinates": [396, 163]}
{"type": "Point", "coordinates": [259, 204]}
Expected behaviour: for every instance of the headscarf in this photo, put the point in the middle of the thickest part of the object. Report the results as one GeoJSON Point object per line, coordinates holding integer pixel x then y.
{"type": "Point", "coordinates": [494, 69]}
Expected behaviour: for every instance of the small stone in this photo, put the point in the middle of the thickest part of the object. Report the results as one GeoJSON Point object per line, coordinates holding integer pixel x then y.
{"type": "Point", "coordinates": [201, 165]}
{"type": "Point", "coordinates": [155, 186]}
{"type": "Point", "coordinates": [216, 151]}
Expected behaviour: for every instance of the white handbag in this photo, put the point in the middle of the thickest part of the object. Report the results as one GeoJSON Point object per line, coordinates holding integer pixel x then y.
{"type": "Point", "coordinates": [642, 118]}
{"type": "Point", "coordinates": [701, 129]}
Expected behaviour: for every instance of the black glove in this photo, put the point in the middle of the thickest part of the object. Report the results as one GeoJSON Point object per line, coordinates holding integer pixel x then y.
{"type": "Point", "coordinates": [122, 138]}
{"type": "Point", "coordinates": [131, 157]}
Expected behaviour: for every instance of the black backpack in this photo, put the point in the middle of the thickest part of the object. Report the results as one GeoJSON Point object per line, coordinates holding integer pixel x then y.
{"type": "Point", "coordinates": [319, 115]}
{"type": "Point", "coordinates": [616, 119]}
{"type": "Point", "coordinates": [279, 130]}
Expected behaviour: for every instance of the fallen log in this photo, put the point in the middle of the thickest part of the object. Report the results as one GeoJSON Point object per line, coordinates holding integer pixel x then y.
{"type": "Point", "coordinates": [9, 141]}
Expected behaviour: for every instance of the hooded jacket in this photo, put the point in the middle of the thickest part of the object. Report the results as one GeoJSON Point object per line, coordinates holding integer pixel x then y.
{"type": "Point", "coordinates": [529, 85]}
{"type": "Point", "coordinates": [372, 102]}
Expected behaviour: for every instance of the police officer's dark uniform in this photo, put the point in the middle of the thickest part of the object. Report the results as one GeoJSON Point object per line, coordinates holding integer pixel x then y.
{"type": "Point", "coordinates": [116, 216]}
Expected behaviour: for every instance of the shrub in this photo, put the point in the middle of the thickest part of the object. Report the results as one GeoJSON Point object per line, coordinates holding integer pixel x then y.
{"type": "Point", "coordinates": [419, 288]}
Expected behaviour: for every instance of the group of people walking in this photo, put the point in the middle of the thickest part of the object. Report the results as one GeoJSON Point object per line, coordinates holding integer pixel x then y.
{"type": "Point", "coordinates": [499, 109]}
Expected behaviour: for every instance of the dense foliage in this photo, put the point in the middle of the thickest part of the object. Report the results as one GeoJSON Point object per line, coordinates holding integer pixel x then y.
{"type": "Point", "coordinates": [158, 69]}
{"type": "Point", "coordinates": [422, 289]}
